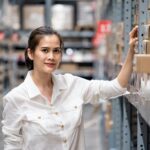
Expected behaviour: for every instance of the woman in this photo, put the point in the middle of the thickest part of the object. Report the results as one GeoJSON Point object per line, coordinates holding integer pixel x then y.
{"type": "Point", "coordinates": [45, 111]}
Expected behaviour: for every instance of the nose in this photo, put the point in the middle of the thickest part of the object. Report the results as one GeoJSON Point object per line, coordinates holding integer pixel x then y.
{"type": "Point", "coordinates": [51, 55]}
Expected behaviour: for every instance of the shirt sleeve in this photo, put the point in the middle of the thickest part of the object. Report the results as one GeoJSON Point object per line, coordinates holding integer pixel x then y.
{"type": "Point", "coordinates": [102, 89]}
{"type": "Point", "coordinates": [11, 125]}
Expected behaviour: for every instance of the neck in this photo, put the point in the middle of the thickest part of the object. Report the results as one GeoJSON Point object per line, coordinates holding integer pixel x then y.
{"type": "Point", "coordinates": [42, 80]}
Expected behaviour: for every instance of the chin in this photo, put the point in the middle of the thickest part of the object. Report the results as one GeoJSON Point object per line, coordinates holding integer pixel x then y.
{"type": "Point", "coordinates": [49, 71]}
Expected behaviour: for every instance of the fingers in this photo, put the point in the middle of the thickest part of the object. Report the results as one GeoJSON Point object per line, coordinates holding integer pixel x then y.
{"type": "Point", "coordinates": [135, 40]}
{"type": "Point", "coordinates": [134, 32]}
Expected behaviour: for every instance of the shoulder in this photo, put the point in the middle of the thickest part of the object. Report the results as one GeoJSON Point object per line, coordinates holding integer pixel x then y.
{"type": "Point", "coordinates": [71, 80]}
{"type": "Point", "coordinates": [67, 77]}
{"type": "Point", "coordinates": [18, 92]}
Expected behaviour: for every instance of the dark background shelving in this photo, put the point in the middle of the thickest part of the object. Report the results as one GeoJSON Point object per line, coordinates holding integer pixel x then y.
{"type": "Point", "coordinates": [77, 39]}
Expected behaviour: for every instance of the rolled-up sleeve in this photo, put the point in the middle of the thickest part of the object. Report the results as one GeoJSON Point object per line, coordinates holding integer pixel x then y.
{"type": "Point", "coordinates": [101, 89]}
{"type": "Point", "coordinates": [11, 125]}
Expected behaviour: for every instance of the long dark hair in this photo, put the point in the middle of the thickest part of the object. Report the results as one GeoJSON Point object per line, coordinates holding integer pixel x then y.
{"type": "Point", "coordinates": [34, 39]}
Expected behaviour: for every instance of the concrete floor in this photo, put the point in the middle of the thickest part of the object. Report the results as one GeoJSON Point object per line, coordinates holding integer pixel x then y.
{"type": "Point", "coordinates": [92, 128]}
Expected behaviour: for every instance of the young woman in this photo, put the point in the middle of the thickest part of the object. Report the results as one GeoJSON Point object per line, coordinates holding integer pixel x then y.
{"type": "Point", "coordinates": [45, 111]}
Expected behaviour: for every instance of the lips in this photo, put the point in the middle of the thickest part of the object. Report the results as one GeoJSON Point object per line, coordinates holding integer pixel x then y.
{"type": "Point", "coordinates": [50, 65]}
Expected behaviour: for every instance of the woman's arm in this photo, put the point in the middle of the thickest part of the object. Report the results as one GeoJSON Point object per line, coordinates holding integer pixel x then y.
{"type": "Point", "coordinates": [11, 125]}
{"type": "Point", "coordinates": [125, 73]}
{"type": "Point", "coordinates": [116, 87]}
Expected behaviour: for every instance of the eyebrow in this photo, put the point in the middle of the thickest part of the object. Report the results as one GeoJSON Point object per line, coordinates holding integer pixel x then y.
{"type": "Point", "coordinates": [48, 47]}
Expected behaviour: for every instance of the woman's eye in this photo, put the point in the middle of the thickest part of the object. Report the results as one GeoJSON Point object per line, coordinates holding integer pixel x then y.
{"type": "Point", "coordinates": [57, 50]}
{"type": "Point", "coordinates": [45, 50]}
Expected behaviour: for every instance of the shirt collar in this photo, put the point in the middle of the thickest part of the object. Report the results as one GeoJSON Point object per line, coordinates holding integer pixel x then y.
{"type": "Point", "coordinates": [32, 89]}
{"type": "Point", "coordinates": [59, 82]}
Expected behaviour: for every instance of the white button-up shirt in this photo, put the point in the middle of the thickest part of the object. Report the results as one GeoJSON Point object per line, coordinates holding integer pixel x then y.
{"type": "Point", "coordinates": [30, 122]}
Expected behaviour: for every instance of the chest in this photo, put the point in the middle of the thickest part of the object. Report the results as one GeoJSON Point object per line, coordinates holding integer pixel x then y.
{"type": "Point", "coordinates": [40, 120]}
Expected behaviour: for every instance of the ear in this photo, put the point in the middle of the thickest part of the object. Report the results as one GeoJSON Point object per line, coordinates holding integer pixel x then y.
{"type": "Point", "coordinates": [30, 53]}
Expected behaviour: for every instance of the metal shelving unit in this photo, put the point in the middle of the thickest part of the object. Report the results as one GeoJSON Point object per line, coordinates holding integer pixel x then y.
{"type": "Point", "coordinates": [131, 128]}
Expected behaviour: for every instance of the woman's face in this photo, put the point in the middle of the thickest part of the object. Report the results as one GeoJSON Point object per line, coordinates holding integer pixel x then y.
{"type": "Point", "coordinates": [47, 55]}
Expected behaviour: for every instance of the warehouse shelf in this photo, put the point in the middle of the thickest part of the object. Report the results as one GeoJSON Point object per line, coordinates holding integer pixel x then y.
{"type": "Point", "coordinates": [80, 63]}
{"type": "Point", "coordinates": [77, 34]}
{"type": "Point", "coordinates": [64, 34]}
{"type": "Point", "coordinates": [141, 104]}
{"type": "Point", "coordinates": [77, 45]}
{"type": "Point", "coordinates": [130, 113]}
{"type": "Point", "coordinates": [83, 63]}
{"type": "Point", "coordinates": [37, 1]}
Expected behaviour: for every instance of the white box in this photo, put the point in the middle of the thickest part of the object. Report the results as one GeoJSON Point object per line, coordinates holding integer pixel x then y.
{"type": "Point", "coordinates": [33, 16]}
{"type": "Point", "coordinates": [62, 17]}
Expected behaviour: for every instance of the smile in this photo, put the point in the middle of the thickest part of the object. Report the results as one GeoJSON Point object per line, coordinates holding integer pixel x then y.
{"type": "Point", "coordinates": [50, 64]}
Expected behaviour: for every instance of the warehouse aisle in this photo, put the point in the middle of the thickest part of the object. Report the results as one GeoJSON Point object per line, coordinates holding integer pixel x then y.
{"type": "Point", "coordinates": [92, 127]}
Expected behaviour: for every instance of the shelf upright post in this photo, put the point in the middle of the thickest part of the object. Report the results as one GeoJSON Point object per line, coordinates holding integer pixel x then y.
{"type": "Point", "coordinates": [117, 122]}
{"type": "Point", "coordinates": [126, 125]}
{"type": "Point", "coordinates": [21, 4]}
{"type": "Point", "coordinates": [142, 20]}
{"type": "Point", "coordinates": [142, 142]}
{"type": "Point", "coordinates": [119, 13]}
{"type": "Point", "coordinates": [142, 133]}
{"type": "Point", "coordinates": [48, 6]}
{"type": "Point", "coordinates": [133, 121]}
{"type": "Point", "coordinates": [126, 105]}
{"type": "Point", "coordinates": [127, 23]}
{"type": "Point", "coordinates": [117, 111]}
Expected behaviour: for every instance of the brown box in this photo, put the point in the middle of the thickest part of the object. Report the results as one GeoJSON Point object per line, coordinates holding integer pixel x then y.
{"type": "Point", "coordinates": [119, 33]}
{"type": "Point", "coordinates": [146, 46]}
{"type": "Point", "coordinates": [148, 16]}
{"type": "Point", "coordinates": [33, 16]}
{"type": "Point", "coordinates": [142, 63]}
{"type": "Point", "coordinates": [147, 32]}
{"type": "Point", "coordinates": [148, 5]}
{"type": "Point", "coordinates": [10, 16]}
{"type": "Point", "coordinates": [136, 19]}
{"type": "Point", "coordinates": [68, 67]}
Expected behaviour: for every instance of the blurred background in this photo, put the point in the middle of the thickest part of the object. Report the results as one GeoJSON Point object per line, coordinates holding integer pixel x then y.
{"type": "Point", "coordinates": [96, 36]}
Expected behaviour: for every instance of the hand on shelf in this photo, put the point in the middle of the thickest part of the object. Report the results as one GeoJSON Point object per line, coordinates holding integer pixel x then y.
{"type": "Point", "coordinates": [133, 39]}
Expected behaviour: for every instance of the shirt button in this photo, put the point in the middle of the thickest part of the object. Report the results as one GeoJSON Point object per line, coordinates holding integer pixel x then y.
{"type": "Point", "coordinates": [56, 113]}
{"type": "Point", "coordinates": [51, 105]}
{"type": "Point", "coordinates": [62, 126]}
{"type": "Point", "coordinates": [39, 117]}
{"type": "Point", "coordinates": [75, 107]}
{"type": "Point", "coordinates": [65, 141]}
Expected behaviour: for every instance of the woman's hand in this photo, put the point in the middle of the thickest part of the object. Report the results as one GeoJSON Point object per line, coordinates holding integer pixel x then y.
{"type": "Point", "coordinates": [133, 38]}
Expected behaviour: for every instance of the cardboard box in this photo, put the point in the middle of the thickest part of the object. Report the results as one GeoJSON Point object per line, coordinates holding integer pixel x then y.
{"type": "Point", "coordinates": [147, 32]}
{"type": "Point", "coordinates": [119, 27]}
{"type": "Point", "coordinates": [33, 16]}
{"type": "Point", "coordinates": [85, 13]}
{"type": "Point", "coordinates": [10, 17]}
{"type": "Point", "coordinates": [62, 17]}
{"type": "Point", "coordinates": [146, 46]}
{"type": "Point", "coordinates": [148, 17]}
{"type": "Point", "coordinates": [68, 67]}
{"type": "Point", "coordinates": [142, 63]}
